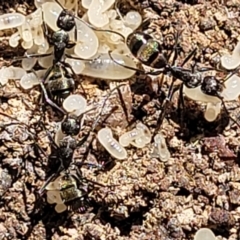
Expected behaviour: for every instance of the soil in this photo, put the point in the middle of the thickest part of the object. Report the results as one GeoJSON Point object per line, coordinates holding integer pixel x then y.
{"type": "Point", "coordinates": [140, 197]}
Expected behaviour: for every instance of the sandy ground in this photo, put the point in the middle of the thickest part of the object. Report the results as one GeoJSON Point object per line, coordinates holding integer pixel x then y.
{"type": "Point", "coordinates": [143, 197]}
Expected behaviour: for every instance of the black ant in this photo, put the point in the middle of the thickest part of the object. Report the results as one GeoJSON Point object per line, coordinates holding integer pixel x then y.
{"type": "Point", "coordinates": [65, 149]}
{"type": "Point", "coordinates": [58, 81]}
{"type": "Point", "coordinates": [149, 52]}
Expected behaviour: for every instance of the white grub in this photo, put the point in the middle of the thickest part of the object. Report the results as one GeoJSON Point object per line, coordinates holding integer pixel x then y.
{"type": "Point", "coordinates": [103, 67]}
{"type": "Point", "coordinates": [11, 20]}
{"type": "Point", "coordinates": [129, 137]}
{"type": "Point", "coordinates": [105, 137]}
{"type": "Point", "coordinates": [138, 137]}
{"type": "Point", "coordinates": [212, 111]}
{"type": "Point", "coordinates": [75, 104]}
{"type": "Point", "coordinates": [97, 12]}
{"type": "Point", "coordinates": [204, 234]}
{"type": "Point", "coordinates": [7, 73]}
{"type": "Point", "coordinates": [160, 149]}
{"type": "Point", "coordinates": [146, 134]}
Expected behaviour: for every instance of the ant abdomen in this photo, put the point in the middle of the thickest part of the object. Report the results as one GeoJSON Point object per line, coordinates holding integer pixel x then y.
{"type": "Point", "coordinates": [146, 50]}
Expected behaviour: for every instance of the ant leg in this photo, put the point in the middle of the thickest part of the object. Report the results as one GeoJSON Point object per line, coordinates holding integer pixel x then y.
{"type": "Point", "coordinates": [49, 135]}
{"type": "Point", "coordinates": [58, 2]}
{"type": "Point", "coordinates": [205, 69]}
{"type": "Point", "coordinates": [226, 110]}
{"type": "Point", "coordinates": [164, 108]}
{"type": "Point", "coordinates": [48, 100]}
{"type": "Point", "coordinates": [123, 105]}
{"type": "Point", "coordinates": [134, 69]}
{"type": "Point", "coordinates": [50, 179]}
{"type": "Point", "coordinates": [75, 76]}
{"type": "Point", "coordinates": [45, 30]}
{"type": "Point", "coordinates": [192, 54]}
{"type": "Point", "coordinates": [81, 59]}
{"type": "Point", "coordinates": [15, 59]}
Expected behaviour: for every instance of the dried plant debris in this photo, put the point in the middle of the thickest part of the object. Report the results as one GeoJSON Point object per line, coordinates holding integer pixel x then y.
{"type": "Point", "coordinates": [129, 164]}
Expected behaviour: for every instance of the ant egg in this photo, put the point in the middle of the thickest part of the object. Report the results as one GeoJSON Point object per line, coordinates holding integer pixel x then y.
{"type": "Point", "coordinates": [103, 67]}
{"type": "Point", "coordinates": [30, 79]}
{"type": "Point", "coordinates": [28, 63]}
{"type": "Point", "coordinates": [4, 76]}
{"type": "Point", "coordinates": [27, 45]}
{"type": "Point", "coordinates": [232, 88]}
{"type": "Point", "coordinates": [160, 149]}
{"type": "Point", "coordinates": [116, 25]}
{"type": "Point", "coordinates": [16, 72]}
{"type": "Point", "coordinates": [10, 73]}
{"type": "Point", "coordinates": [87, 40]}
{"type": "Point", "coordinates": [38, 36]}
{"type": "Point", "coordinates": [76, 65]}
{"type": "Point", "coordinates": [133, 19]}
{"type": "Point", "coordinates": [212, 111]}
{"type": "Point", "coordinates": [105, 137]}
{"type": "Point", "coordinates": [75, 103]}
{"type": "Point", "coordinates": [230, 62]}
{"type": "Point", "coordinates": [39, 3]}
{"type": "Point", "coordinates": [97, 12]}
{"type": "Point", "coordinates": [236, 51]}
{"type": "Point", "coordinates": [51, 11]}
{"type": "Point", "coordinates": [204, 234]}
{"type": "Point", "coordinates": [59, 208]}
{"type": "Point", "coordinates": [26, 33]}
{"type": "Point", "coordinates": [11, 20]}
{"type": "Point", "coordinates": [43, 47]}
{"type": "Point", "coordinates": [86, 3]}
{"type": "Point", "coordinates": [112, 14]}
{"type": "Point", "coordinates": [14, 39]}
{"type": "Point", "coordinates": [46, 62]}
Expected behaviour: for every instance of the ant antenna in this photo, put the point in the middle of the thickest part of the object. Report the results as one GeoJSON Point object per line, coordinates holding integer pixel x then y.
{"type": "Point", "coordinates": [132, 68]}
{"type": "Point", "coordinates": [92, 27]}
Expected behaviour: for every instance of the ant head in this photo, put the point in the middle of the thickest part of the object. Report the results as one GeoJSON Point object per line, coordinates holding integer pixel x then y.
{"type": "Point", "coordinates": [66, 20]}
{"type": "Point", "coordinates": [71, 125]}
{"type": "Point", "coordinates": [211, 86]}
